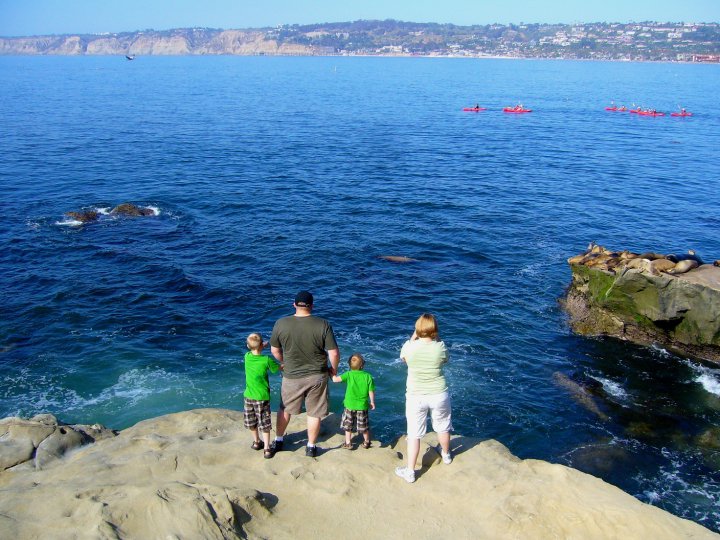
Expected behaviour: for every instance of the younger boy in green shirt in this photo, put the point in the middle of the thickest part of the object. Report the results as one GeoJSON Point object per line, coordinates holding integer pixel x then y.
{"type": "Point", "coordinates": [257, 393]}
{"type": "Point", "coordinates": [359, 397]}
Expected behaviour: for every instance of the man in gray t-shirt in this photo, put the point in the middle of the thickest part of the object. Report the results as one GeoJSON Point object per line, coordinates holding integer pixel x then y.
{"type": "Point", "coordinates": [303, 344]}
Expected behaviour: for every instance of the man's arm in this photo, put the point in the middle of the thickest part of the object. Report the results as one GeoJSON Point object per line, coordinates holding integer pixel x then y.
{"type": "Point", "coordinates": [334, 357]}
{"type": "Point", "coordinates": [277, 353]}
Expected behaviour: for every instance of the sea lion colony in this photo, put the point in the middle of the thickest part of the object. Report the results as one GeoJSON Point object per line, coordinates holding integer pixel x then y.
{"type": "Point", "coordinates": [620, 261]}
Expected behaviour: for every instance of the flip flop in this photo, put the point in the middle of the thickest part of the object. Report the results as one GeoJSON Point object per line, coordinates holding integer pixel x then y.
{"type": "Point", "coordinates": [257, 445]}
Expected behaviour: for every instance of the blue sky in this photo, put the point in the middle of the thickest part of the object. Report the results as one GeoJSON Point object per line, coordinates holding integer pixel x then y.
{"type": "Point", "coordinates": [35, 17]}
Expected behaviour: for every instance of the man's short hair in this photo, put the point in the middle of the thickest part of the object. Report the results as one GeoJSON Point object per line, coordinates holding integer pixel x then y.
{"type": "Point", "coordinates": [304, 299]}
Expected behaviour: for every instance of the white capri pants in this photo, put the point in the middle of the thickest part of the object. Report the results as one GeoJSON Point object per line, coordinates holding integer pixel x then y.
{"type": "Point", "coordinates": [416, 409]}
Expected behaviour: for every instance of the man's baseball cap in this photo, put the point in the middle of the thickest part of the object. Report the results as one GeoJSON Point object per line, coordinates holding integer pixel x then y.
{"type": "Point", "coordinates": [304, 299]}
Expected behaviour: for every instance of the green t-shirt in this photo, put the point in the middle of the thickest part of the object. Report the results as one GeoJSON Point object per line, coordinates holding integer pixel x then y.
{"type": "Point", "coordinates": [256, 375]}
{"type": "Point", "coordinates": [359, 386]}
{"type": "Point", "coordinates": [304, 342]}
{"type": "Point", "coordinates": [425, 360]}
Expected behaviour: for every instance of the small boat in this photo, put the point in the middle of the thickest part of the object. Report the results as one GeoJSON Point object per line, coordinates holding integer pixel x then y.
{"type": "Point", "coordinates": [681, 114]}
{"type": "Point", "coordinates": [617, 109]}
{"type": "Point", "coordinates": [650, 113]}
{"type": "Point", "coordinates": [635, 111]}
{"type": "Point", "coordinates": [516, 110]}
{"type": "Point", "coordinates": [474, 109]}
{"type": "Point", "coordinates": [130, 57]}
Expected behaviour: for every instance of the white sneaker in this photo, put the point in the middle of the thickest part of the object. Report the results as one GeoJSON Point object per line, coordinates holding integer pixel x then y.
{"type": "Point", "coordinates": [406, 474]}
{"type": "Point", "coordinates": [447, 458]}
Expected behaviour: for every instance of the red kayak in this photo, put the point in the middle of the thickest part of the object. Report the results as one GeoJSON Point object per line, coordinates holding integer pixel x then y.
{"type": "Point", "coordinates": [474, 109]}
{"type": "Point", "coordinates": [617, 109]}
{"type": "Point", "coordinates": [650, 113]}
{"type": "Point", "coordinates": [515, 110]}
{"type": "Point", "coordinates": [681, 114]}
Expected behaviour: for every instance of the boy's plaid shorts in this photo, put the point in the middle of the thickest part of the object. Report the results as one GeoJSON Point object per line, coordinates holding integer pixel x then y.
{"type": "Point", "coordinates": [257, 414]}
{"type": "Point", "coordinates": [351, 418]}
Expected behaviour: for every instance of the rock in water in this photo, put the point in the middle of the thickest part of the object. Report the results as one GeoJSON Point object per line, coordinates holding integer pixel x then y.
{"type": "Point", "coordinates": [129, 209]}
{"type": "Point", "coordinates": [86, 216]}
{"type": "Point", "coordinates": [678, 309]}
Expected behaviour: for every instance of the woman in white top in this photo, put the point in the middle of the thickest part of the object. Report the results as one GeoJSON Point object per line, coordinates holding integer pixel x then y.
{"type": "Point", "coordinates": [427, 391]}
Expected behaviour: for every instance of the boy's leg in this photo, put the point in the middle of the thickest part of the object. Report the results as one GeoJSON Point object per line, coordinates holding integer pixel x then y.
{"type": "Point", "coordinates": [265, 423]}
{"type": "Point", "coordinates": [366, 435]}
{"type": "Point", "coordinates": [348, 437]}
{"type": "Point", "coordinates": [254, 432]}
{"type": "Point", "coordinates": [250, 419]}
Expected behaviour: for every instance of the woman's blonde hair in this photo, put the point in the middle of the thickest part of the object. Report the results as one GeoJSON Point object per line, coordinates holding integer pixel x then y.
{"type": "Point", "coordinates": [254, 341]}
{"type": "Point", "coordinates": [427, 326]}
{"type": "Point", "coordinates": [356, 361]}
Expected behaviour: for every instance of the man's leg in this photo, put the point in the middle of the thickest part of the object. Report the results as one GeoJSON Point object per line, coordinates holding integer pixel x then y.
{"type": "Point", "coordinates": [283, 419]}
{"type": "Point", "coordinates": [313, 429]}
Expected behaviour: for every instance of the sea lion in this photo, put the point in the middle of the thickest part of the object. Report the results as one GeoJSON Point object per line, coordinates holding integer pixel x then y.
{"type": "Point", "coordinates": [597, 261]}
{"type": "Point", "coordinates": [577, 259]}
{"type": "Point", "coordinates": [628, 255]}
{"type": "Point", "coordinates": [652, 256]}
{"type": "Point", "coordinates": [579, 394]}
{"type": "Point", "coordinates": [660, 265]}
{"type": "Point", "coordinates": [637, 263]}
{"type": "Point", "coordinates": [689, 256]}
{"type": "Point", "coordinates": [397, 259]}
{"type": "Point", "coordinates": [717, 263]}
{"type": "Point", "coordinates": [683, 266]}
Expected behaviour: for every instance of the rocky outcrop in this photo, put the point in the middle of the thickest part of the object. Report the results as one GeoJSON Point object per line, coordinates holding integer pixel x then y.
{"type": "Point", "coordinates": [42, 439]}
{"type": "Point", "coordinates": [129, 209]}
{"type": "Point", "coordinates": [194, 475]}
{"type": "Point", "coordinates": [639, 298]}
{"type": "Point", "coordinates": [84, 216]}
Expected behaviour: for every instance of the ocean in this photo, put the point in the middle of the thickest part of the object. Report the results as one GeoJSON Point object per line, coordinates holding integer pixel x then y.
{"type": "Point", "coordinates": [268, 175]}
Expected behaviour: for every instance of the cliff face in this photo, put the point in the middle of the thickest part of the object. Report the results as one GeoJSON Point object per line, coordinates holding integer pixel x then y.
{"type": "Point", "coordinates": [680, 312]}
{"type": "Point", "coordinates": [194, 475]}
{"type": "Point", "coordinates": [178, 42]}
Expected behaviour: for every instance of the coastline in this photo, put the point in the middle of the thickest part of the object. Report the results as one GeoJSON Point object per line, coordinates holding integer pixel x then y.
{"type": "Point", "coordinates": [193, 474]}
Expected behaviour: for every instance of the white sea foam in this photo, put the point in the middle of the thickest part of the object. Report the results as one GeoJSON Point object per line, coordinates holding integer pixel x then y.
{"type": "Point", "coordinates": [155, 209]}
{"type": "Point", "coordinates": [663, 352]}
{"type": "Point", "coordinates": [710, 383]}
{"type": "Point", "coordinates": [612, 388]}
{"type": "Point", "coordinates": [69, 223]}
{"type": "Point", "coordinates": [707, 377]}
{"type": "Point", "coordinates": [103, 210]}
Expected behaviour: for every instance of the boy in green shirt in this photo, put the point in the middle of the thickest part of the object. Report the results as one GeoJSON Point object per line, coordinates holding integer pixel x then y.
{"type": "Point", "coordinates": [257, 393]}
{"type": "Point", "coordinates": [359, 397]}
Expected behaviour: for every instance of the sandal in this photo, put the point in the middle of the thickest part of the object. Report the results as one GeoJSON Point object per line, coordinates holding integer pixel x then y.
{"type": "Point", "coordinates": [257, 445]}
{"type": "Point", "coordinates": [346, 446]}
{"type": "Point", "coordinates": [268, 453]}
{"type": "Point", "coordinates": [366, 444]}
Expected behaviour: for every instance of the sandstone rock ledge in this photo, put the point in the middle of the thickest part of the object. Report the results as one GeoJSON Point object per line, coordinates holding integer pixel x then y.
{"type": "Point", "coordinates": [193, 475]}
{"type": "Point", "coordinates": [679, 312]}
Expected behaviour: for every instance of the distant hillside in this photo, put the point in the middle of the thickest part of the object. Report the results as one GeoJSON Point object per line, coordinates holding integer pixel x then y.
{"type": "Point", "coordinates": [610, 41]}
